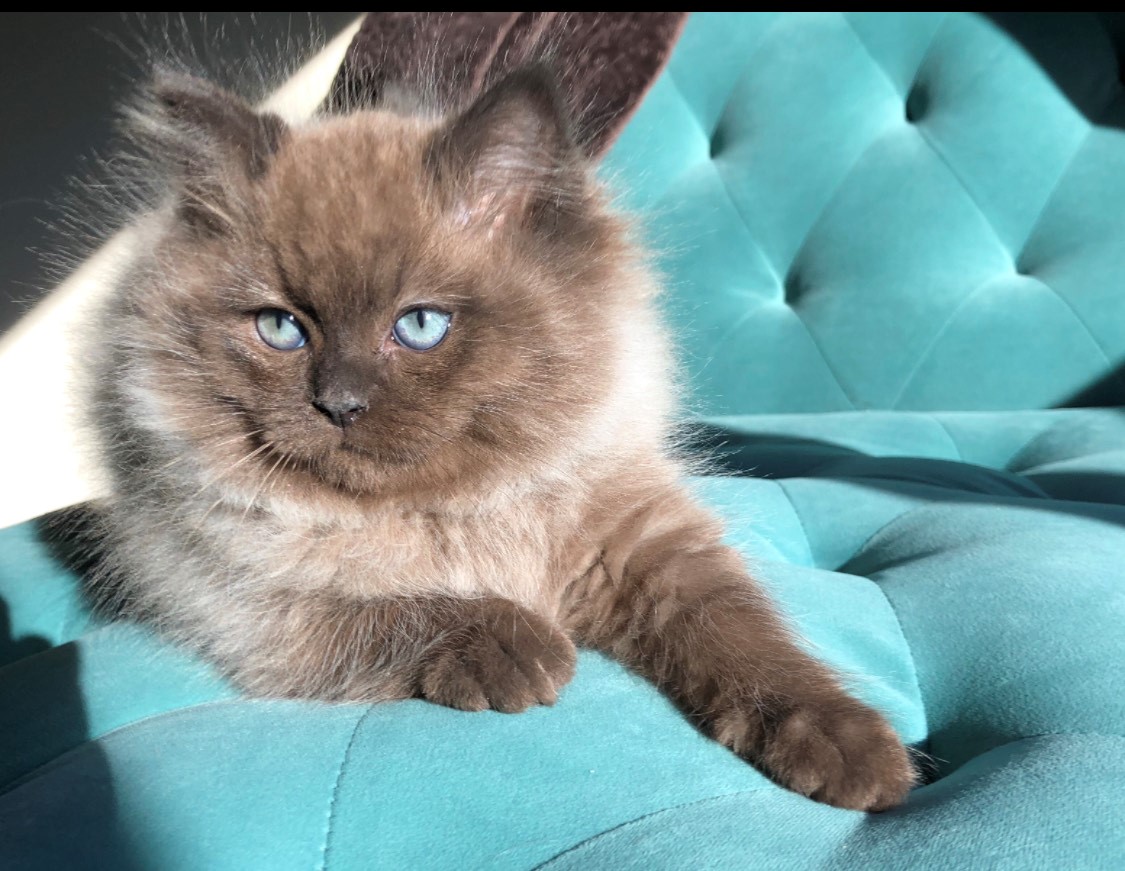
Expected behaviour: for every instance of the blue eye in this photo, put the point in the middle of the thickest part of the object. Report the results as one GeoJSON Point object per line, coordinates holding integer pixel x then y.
{"type": "Point", "coordinates": [281, 330]}
{"type": "Point", "coordinates": [421, 329]}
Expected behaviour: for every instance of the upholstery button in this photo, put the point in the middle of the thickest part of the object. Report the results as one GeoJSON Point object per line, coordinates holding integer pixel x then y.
{"type": "Point", "coordinates": [917, 104]}
{"type": "Point", "coordinates": [718, 141]}
{"type": "Point", "coordinates": [795, 288]}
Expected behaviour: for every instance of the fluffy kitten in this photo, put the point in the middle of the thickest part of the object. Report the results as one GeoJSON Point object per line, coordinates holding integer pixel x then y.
{"type": "Point", "coordinates": [386, 401]}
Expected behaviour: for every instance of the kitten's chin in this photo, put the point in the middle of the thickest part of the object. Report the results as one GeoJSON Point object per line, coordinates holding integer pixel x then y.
{"type": "Point", "coordinates": [417, 470]}
{"type": "Point", "coordinates": [353, 469]}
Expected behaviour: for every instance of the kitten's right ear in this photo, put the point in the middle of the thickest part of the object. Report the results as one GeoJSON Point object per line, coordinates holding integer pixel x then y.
{"type": "Point", "coordinates": [210, 142]}
{"type": "Point", "coordinates": [510, 155]}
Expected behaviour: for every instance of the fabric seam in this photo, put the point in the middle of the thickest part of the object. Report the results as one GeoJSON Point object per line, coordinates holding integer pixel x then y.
{"type": "Point", "coordinates": [800, 521]}
{"type": "Point", "coordinates": [326, 846]}
{"type": "Point", "coordinates": [543, 866]}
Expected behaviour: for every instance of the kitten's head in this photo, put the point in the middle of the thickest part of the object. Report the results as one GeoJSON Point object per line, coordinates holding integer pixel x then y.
{"type": "Point", "coordinates": [378, 303]}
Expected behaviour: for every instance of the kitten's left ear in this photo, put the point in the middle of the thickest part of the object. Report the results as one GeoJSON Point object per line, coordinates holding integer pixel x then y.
{"type": "Point", "coordinates": [510, 155]}
{"type": "Point", "coordinates": [209, 141]}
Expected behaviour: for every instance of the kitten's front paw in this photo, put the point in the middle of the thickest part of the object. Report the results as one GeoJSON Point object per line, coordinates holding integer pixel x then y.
{"type": "Point", "coordinates": [508, 659]}
{"type": "Point", "coordinates": [837, 751]}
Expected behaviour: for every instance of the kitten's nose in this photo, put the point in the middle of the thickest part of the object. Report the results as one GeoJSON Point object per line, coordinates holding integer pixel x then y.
{"type": "Point", "coordinates": [344, 410]}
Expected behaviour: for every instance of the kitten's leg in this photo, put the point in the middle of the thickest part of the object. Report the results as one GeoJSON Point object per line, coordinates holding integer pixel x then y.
{"type": "Point", "coordinates": [671, 601]}
{"type": "Point", "coordinates": [471, 654]}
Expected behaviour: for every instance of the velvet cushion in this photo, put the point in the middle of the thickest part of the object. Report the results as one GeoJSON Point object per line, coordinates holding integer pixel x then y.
{"type": "Point", "coordinates": [912, 211]}
{"type": "Point", "coordinates": [964, 569]}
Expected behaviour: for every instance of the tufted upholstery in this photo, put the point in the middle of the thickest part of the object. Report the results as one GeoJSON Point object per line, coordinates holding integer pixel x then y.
{"type": "Point", "coordinates": [965, 567]}
{"type": "Point", "coordinates": [889, 211]}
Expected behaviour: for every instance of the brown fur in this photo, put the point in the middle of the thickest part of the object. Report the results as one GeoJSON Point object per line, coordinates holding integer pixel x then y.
{"type": "Point", "coordinates": [491, 501]}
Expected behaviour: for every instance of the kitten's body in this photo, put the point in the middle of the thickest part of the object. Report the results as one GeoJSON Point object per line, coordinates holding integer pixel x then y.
{"type": "Point", "coordinates": [487, 501]}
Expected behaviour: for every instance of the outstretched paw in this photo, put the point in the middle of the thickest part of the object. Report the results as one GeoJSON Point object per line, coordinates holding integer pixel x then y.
{"type": "Point", "coordinates": [837, 751]}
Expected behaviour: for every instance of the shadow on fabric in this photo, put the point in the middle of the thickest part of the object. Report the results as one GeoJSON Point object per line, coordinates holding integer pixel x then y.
{"type": "Point", "coordinates": [1094, 494]}
{"type": "Point", "coordinates": [1054, 38]}
{"type": "Point", "coordinates": [57, 802]}
{"type": "Point", "coordinates": [1107, 391]}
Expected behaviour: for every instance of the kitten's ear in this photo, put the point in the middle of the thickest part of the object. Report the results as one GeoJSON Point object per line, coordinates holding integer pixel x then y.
{"type": "Point", "coordinates": [510, 154]}
{"type": "Point", "coordinates": [212, 144]}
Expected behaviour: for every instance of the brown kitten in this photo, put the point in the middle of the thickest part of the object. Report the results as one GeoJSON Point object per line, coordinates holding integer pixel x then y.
{"type": "Point", "coordinates": [387, 405]}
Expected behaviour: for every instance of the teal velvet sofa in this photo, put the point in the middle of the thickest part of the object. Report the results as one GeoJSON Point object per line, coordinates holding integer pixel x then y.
{"type": "Point", "coordinates": [895, 248]}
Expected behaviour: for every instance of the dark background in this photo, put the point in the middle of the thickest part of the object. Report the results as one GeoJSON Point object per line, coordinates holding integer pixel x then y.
{"type": "Point", "coordinates": [61, 75]}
